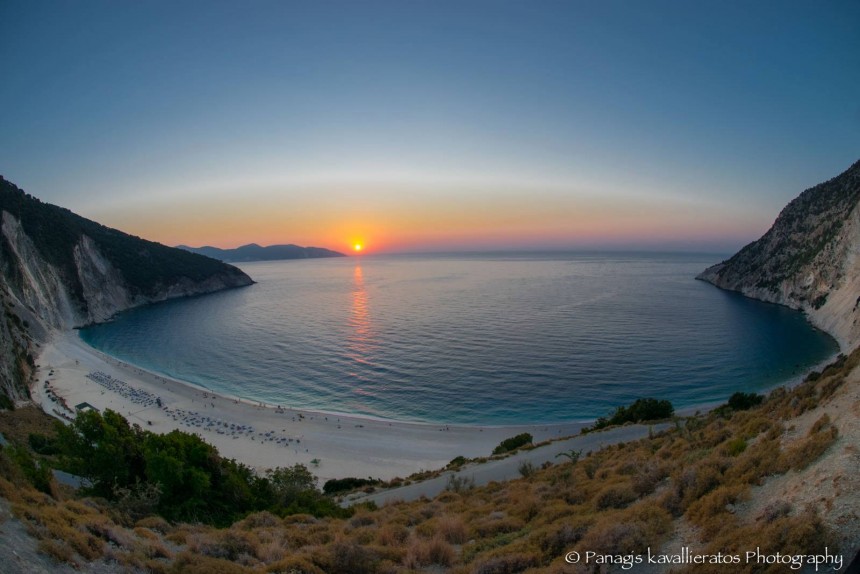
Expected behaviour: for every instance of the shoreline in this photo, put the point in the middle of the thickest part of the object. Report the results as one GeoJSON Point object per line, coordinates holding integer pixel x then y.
{"type": "Point", "coordinates": [264, 436]}
{"type": "Point", "coordinates": [261, 436]}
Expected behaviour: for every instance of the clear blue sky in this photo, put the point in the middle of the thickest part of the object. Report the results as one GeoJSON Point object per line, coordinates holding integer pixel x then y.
{"type": "Point", "coordinates": [419, 124]}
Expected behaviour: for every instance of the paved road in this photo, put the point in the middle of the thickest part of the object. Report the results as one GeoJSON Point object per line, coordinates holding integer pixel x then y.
{"type": "Point", "coordinates": [508, 468]}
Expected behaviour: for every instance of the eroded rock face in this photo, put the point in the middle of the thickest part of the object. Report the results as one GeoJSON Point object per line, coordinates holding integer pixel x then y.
{"type": "Point", "coordinates": [104, 288]}
{"type": "Point", "coordinates": [37, 285]}
{"type": "Point", "coordinates": [808, 260]}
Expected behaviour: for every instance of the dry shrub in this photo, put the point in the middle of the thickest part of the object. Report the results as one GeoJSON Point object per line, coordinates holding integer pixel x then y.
{"type": "Point", "coordinates": [497, 523]}
{"type": "Point", "coordinates": [752, 423]}
{"type": "Point", "coordinates": [346, 557]}
{"type": "Point", "coordinates": [152, 549]}
{"type": "Point", "coordinates": [430, 510]}
{"type": "Point", "coordinates": [805, 451]}
{"type": "Point", "coordinates": [712, 512]}
{"type": "Point", "coordinates": [788, 535]}
{"type": "Point", "coordinates": [695, 481]}
{"type": "Point", "coordinates": [145, 533]}
{"type": "Point", "coordinates": [53, 521]}
{"type": "Point", "coordinates": [10, 486]}
{"type": "Point", "coordinates": [827, 387]}
{"type": "Point", "coordinates": [272, 548]}
{"type": "Point", "coordinates": [300, 519]}
{"type": "Point", "coordinates": [294, 565]}
{"type": "Point", "coordinates": [364, 535]}
{"type": "Point", "coordinates": [573, 495]}
{"type": "Point", "coordinates": [431, 552]}
{"type": "Point", "coordinates": [714, 434]}
{"type": "Point", "coordinates": [182, 533]}
{"type": "Point", "coordinates": [557, 510]}
{"type": "Point", "coordinates": [452, 529]}
{"type": "Point", "coordinates": [632, 530]}
{"type": "Point", "coordinates": [58, 550]}
{"type": "Point", "coordinates": [761, 459]}
{"type": "Point", "coordinates": [819, 425]}
{"type": "Point", "coordinates": [230, 544]}
{"type": "Point", "coordinates": [364, 518]}
{"type": "Point", "coordinates": [647, 477]}
{"type": "Point", "coordinates": [313, 535]}
{"type": "Point", "coordinates": [263, 519]}
{"type": "Point", "coordinates": [192, 563]}
{"type": "Point", "coordinates": [109, 532]}
{"type": "Point", "coordinates": [676, 446]}
{"type": "Point", "coordinates": [528, 507]}
{"type": "Point", "coordinates": [507, 564]}
{"type": "Point", "coordinates": [555, 539]}
{"type": "Point", "coordinates": [615, 496]}
{"type": "Point", "coordinates": [392, 534]}
{"type": "Point", "coordinates": [155, 567]}
{"type": "Point", "coordinates": [156, 523]}
{"type": "Point", "coordinates": [734, 446]}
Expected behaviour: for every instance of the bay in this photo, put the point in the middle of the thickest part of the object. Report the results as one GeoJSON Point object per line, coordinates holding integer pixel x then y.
{"type": "Point", "coordinates": [501, 338]}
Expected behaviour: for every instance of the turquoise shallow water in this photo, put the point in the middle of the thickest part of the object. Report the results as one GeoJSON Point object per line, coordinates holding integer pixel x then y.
{"type": "Point", "coordinates": [476, 339]}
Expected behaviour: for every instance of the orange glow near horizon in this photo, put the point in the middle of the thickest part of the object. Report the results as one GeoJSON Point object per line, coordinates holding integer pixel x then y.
{"type": "Point", "coordinates": [404, 222]}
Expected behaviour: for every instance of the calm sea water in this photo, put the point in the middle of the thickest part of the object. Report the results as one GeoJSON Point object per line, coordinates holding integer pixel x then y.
{"type": "Point", "coordinates": [483, 339]}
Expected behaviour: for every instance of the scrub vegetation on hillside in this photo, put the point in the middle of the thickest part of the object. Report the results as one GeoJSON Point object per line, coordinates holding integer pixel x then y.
{"type": "Point", "coordinates": [619, 500]}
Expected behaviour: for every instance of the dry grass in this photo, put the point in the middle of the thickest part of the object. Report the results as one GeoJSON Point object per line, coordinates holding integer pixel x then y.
{"type": "Point", "coordinates": [19, 424]}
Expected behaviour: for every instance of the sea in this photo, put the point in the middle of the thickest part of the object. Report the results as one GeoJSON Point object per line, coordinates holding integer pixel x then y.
{"type": "Point", "coordinates": [480, 339]}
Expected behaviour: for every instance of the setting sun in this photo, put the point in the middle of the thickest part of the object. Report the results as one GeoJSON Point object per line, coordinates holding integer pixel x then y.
{"type": "Point", "coordinates": [357, 247]}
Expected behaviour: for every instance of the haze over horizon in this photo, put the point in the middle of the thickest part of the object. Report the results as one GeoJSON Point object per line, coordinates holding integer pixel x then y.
{"type": "Point", "coordinates": [430, 126]}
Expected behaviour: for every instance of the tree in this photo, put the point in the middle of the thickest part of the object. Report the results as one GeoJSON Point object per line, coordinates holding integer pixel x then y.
{"type": "Point", "coordinates": [102, 448]}
{"type": "Point", "coordinates": [288, 482]}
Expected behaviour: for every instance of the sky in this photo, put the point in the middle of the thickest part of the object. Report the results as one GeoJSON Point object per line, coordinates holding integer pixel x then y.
{"type": "Point", "coordinates": [430, 125]}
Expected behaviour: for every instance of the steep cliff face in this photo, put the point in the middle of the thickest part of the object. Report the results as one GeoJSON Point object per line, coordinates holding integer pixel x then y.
{"type": "Point", "coordinates": [808, 260]}
{"type": "Point", "coordinates": [59, 271]}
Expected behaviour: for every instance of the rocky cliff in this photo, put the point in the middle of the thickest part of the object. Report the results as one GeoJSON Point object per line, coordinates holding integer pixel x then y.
{"type": "Point", "coordinates": [59, 270]}
{"type": "Point", "coordinates": [808, 259]}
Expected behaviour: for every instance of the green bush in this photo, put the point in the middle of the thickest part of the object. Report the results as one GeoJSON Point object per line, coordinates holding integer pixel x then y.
{"type": "Point", "coordinates": [194, 482]}
{"type": "Point", "coordinates": [513, 443]}
{"type": "Point", "coordinates": [640, 411]}
{"type": "Point", "coordinates": [43, 445]}
{"type": "Point", "coordinates": [336, 485]}
{"type": "Point", "coordinates": [743, 401]}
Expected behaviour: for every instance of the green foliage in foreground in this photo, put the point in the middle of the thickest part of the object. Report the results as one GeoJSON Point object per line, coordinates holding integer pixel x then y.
{"type": "Point", "coordinates": [513, 443]}
{"type": "Point", "coordinates": [640, 411]}
{"type": "Point", "coordinates": [181, 477]}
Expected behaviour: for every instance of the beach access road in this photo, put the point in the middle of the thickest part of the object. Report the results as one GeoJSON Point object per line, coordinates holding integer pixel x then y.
{"type": "Point", "coordinates": [509, 468]}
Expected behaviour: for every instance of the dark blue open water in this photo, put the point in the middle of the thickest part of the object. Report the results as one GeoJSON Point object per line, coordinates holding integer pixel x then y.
{"type": "Point", "coordinates": [483, 339]}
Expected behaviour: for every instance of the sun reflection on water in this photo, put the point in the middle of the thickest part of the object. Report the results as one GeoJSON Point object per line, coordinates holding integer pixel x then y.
{"type": "Point", "coordinates": [360, 343]}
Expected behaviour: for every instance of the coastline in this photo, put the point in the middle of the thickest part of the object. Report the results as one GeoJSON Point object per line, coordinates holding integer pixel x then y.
{"type": "Point", "coordinates": [343, 445]}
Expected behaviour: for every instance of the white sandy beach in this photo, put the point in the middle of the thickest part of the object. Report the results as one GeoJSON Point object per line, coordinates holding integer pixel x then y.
{"type": "Point", "coordinates": [332, 446]}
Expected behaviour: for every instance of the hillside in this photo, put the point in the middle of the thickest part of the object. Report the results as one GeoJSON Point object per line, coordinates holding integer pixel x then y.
{"type": "Point", "coordinates": [59, 270]}
{"type": "Point", "coordinates": [254, 252]}
{"type": "Point", "coordinates": [808, 259]}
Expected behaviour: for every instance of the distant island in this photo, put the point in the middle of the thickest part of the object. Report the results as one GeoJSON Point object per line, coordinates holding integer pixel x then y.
{"type": "Point", "coordinates": [254, 252]}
